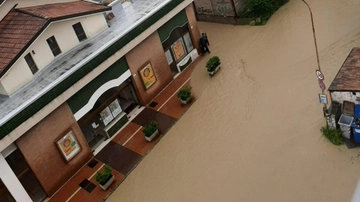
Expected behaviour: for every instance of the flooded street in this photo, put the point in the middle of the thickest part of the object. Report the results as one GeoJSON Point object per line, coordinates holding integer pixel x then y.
{"type": "Point", "coordinates": [254, 132]}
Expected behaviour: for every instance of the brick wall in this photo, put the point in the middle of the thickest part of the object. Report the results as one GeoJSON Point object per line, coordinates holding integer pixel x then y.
{"type": "Point", "coordinates": [150, 50]}
{"type": "Point", "coordinates": [193, 26]}
{"type": "Point", "coordinates": [40, 150]}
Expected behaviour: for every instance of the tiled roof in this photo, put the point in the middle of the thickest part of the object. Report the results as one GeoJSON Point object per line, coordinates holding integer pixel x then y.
{"type": "Point", "coordinates": [21, 27]}
{"type": "Point", "coordinates": [16, 30]}
{"type": "Point", "coordinates": [348, 77]}
{"type": "Point", "coordinates": [64, 10]}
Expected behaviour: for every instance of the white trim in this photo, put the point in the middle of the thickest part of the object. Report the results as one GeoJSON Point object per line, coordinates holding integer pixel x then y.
{"type": "Point", "coordinates": [8, 150]}
{"type": "Point", "coordinates": [11, 182]}
{"type": "Point", "coordinates": [106, 86]}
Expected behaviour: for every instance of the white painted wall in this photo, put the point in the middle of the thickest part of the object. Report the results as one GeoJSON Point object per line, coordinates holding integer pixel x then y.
{"type": "Point", "coordinates": [11, 182]}
{"type": "Point", "coordinates": [2, 90]}
{"type": "Point", "coordinates": [8, 4]}
{"type": "Point", "coordinates": [341, 96]}
{"type": "Point", "coordinates": [66, 39]}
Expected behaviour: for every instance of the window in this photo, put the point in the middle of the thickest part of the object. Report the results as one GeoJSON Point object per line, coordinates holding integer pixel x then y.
{"type": "Point", "coordinates": [53, 46]}
{"type": "Point", "coordinates": [31, 63]}
{"type": "Point", "coordinates": [79, 31]}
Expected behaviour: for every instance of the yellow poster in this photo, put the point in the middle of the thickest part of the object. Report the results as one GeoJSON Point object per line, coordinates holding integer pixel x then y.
{"type": "Point", "coordinates": [68, 145]}
{"type": "Point", "coordinates": [148, 76]}
{"type": "Point", "coordinates": [178, 50]}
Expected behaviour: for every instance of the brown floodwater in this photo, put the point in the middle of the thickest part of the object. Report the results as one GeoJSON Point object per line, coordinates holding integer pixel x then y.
{"type": "Point", "coordinates": [253, 133]}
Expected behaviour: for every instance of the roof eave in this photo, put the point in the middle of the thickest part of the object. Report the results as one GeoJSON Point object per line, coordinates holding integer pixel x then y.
{"type": "Point", "coordinates": [46, 24]}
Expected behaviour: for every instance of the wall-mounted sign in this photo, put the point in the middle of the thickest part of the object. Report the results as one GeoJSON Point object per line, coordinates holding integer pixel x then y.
{"type": "Point", "coordinates": [106, 116]}
{"type": "Point", "coordinates": [178, 50]}
{"type": "Point", "coordinates": [319, 75]}
{"type": "Point", "coordinates": [322, 85]}
{"type": "Point", "coordinates": [148, 76]}
{"type": "Point", "coordinates": [323, 98]}
{"type": "Point", "coordinates": [68, 145]}
{"type": "Point", "coordinates": [115, 107]}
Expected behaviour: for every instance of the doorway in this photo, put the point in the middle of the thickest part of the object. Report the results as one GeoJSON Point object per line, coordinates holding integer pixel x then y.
{"type": "Point", "coordinates": [26, 176]}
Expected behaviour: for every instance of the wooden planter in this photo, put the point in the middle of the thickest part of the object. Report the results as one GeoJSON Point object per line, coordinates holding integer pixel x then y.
{"type": "Point", "coordinates": [151, 137]}
{"type": "Point", "coordinates": [108, 183]}
{"type": "Point", "coordinates": [185, 101]}
{"type": "Point", "coordinates": [214, 72]}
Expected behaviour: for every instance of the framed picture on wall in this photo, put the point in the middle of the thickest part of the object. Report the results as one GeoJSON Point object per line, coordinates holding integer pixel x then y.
{"type": "Point", "coordinates": [147, 75]}
{"type": "Point", "coordinates": [106, 116]}
{"type": "Point", "coordinates": [68, 145]}
{"type": "Point", "coordinates": [115, 107]}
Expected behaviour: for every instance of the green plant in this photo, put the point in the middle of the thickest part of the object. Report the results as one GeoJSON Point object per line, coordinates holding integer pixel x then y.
{"type": "Point", "coordinates": [184, 93]}
{"type": "Point", "coordinates": [103, 177]}
{"type": "Point", "coordinates": [261, 8]}
{"type": "Point", "coordinates": [150, 128]}
{"type": "Point", "coordinates": [212, 63]}
{"type": "Point", "coordinates": [333, 135]}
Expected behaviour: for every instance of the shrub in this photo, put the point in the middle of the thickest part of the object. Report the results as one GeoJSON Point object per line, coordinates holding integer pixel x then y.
{"type": "Point", "coordinates": [212, 63]}
{"type": "Point", "coordinates": [150, 128]}
{"type": "Point", "coordinates": [262, 8]}
{"type": "Point", "coordinates": [102, 178]}
{"type": "Point", "coordinates": [334, 135]}
{"type": "Point", "coordinates": [184, 93]}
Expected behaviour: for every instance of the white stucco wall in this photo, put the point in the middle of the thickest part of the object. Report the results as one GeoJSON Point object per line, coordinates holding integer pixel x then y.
{"type": "Point", "coordinates": [66, 39]}
{"type": "Point", "coordinates": [348, 96]}
{"type": "Point", "coordinates": [11, 182]}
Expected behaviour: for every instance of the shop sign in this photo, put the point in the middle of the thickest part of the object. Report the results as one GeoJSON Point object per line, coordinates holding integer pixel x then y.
{"type": "Point", "coordinates": [68, 145]}
{"type": "Point", "coordinates": [148, 76]}
{"type": "Point", "coordinates": [323, 98]}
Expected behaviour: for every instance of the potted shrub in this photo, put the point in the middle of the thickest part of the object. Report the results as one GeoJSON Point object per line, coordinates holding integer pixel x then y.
{"type": "Point", "coordinates": [213, 65]}
{"type": "Point", "coordinates": [106, 178]}
{"type": "Point", "coordinates": [151, 130]}
{"type": "Point", "coordinates": [185, 95]}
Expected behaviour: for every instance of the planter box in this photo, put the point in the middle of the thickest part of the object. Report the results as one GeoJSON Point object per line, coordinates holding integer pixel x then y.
{"type": "Point", "coordinates": [152, 136]}
{"type": "Point", "coordinates": [214, 72]}
{"type": "Point", "coordinates": [185, 101]}
{"type": "Point", "coordinates": [108, 183]}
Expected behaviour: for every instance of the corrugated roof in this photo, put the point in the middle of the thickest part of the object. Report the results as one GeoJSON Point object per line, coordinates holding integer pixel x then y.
{"type": "Point", "coordinates": [348, 77]}
{"type": "Point", "coordinates": [21, 27]}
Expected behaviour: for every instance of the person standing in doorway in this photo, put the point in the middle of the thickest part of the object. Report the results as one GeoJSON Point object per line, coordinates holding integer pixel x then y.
{"type": "Point", "coordinates": [204, 43]}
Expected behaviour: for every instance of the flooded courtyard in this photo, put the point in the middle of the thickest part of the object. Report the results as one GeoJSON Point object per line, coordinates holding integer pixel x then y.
{"type": "Point", "coordinates": [254, 132]}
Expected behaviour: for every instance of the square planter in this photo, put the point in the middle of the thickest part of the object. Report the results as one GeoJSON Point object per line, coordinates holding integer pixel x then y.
{"type": "Point", "coordinates": [214, 72]}
{"type": "Point", "coordinates": [185, 101]}
{"type": "Point", "coordinates": [151, 137]}
{"type": "Point", "coordinates": [108, 183]}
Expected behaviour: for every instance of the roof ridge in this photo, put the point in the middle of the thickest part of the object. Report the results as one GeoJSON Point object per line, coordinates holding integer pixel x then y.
{"type": "Point", "coordinates": [29, 13]}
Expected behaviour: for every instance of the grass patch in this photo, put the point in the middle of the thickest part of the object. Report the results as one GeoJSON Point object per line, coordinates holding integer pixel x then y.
{"type": "Point", "coordinates": [333, 135]}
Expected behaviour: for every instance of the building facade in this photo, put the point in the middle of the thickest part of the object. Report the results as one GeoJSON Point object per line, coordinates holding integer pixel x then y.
{"type": "Point", "coordinates": [85, 68]}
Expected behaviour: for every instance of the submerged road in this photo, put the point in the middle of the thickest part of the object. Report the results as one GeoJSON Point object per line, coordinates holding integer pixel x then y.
{"type": "Point", "coordinates": [254, 132]}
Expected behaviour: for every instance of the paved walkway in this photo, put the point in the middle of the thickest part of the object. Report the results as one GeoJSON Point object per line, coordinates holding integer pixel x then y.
{"type": "Point", "coordinates": [126, 150]}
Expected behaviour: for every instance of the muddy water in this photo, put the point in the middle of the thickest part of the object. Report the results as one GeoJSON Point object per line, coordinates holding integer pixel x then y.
{"type": "Point", "coordinates": [253, 133]}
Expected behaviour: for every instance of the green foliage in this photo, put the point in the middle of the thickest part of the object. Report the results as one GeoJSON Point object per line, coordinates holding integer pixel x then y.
{"type": "Point", "coordinates": [212, 63]}
{"type": "Point", "coordinates": [103, 177]}
{"type": "Point", "coordinates": [261, 8]}
{"type": "Point", "coordinates": [334, 135]}
{"type": "Point", "coordinates": [184, 93]}
{"type": "Point", "coordinates": [150, 128]}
